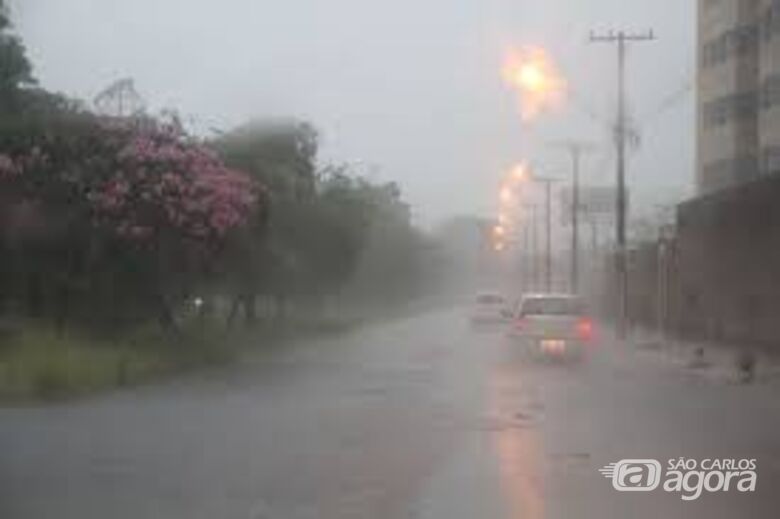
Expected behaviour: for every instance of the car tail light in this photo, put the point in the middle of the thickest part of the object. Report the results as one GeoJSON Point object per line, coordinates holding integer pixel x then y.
{"type": "Point", "coordinates": [585, 329]}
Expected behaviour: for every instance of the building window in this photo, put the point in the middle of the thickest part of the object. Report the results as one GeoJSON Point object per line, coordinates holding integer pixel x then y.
{"type": "Point", "coordinates": [770, 92]}
{"type": "Point", "coordinates": [711, 4]}
{"type": "Point", "coordinates": [730, 108]}
{"type": "Point", "coordinates": [738, 41]}
{"type": "Point", "coordinates": [770, 24]}
{"type": "Point", "coordinates": [770, 160]}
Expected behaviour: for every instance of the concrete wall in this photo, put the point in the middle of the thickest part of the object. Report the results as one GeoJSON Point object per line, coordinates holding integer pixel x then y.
{"type": "Point", "coordinates": [728, 264]}
{"type": "Point", "coordinates": [720, 275]}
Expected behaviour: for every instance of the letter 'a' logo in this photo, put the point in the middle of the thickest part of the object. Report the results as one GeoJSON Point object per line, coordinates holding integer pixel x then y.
{"type": "Point", "coordinates": [633, 475]}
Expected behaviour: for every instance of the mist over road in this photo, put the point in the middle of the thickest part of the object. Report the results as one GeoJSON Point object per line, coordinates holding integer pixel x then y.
{"type": "Point", "coordinates": [424, 417]}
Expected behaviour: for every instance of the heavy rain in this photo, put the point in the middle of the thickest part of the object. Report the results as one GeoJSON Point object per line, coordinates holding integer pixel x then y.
{"type": "Point", "coordinates": [495, 259]}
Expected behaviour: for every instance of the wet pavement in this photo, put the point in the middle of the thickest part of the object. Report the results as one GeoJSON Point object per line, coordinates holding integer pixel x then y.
{"type": "Point", "coordinates": [421, 418]}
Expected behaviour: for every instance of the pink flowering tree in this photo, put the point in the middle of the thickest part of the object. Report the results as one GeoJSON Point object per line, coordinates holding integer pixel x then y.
{"type": "Point", "coordinates": [132, 207]}
{"type": "Point", "coordinates": [164, 185]}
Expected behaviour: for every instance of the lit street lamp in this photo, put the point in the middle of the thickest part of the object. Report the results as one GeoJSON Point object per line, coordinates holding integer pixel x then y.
{"type": "Point", "coordinates": [536, 78]}
{"type": "Point", "coordinates": [507, 196]}
{"type": "Point", "coordinates": [520, 173]}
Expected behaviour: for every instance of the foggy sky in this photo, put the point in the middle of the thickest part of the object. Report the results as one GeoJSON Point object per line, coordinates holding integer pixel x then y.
{"type": "Point", "coordinates": [408, 90]}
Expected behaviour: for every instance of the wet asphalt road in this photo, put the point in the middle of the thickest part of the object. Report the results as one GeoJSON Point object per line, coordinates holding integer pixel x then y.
{"type": "Point", "coordinates": [422, 418]}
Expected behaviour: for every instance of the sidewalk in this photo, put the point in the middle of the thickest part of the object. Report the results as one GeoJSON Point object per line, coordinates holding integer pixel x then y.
{"type": "Point", "coordinates": [716, 360]}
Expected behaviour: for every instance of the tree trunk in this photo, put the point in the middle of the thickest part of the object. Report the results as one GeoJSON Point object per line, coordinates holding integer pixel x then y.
{"type": "Point", "coordinates": [234, 307]}
{"type": "Point", "coordinates": [165, 314]}
{"type": "Point", "coordinates": [250, 309]}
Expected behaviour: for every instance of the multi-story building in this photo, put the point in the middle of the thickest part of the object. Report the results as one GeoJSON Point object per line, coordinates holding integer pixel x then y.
{"type": "Point", "coordinates": [738, 92]}
{"type": "Point", "coordinates": [730, 40]}
{"type": "Point", "coordinates": [724, 269]}
{"type": "Point", "coordinates": [769, 86]}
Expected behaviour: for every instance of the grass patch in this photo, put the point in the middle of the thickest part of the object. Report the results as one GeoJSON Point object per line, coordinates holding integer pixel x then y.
{"type": "Point", "coordinates": [38, 363]}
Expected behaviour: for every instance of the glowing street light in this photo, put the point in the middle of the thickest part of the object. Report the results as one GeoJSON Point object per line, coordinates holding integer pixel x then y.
{"type": "Point", "coordinates": [534, 75]}
{"type": "Point", "coordinates": [519, 173]}
{"type": "Point", "coordinates": [506, 195]}
{"type": "Point", "coordinates": [531, 78]}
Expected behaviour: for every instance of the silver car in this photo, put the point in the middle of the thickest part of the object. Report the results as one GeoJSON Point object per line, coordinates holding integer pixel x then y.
{"type": "Point", "coordinates": [553, 326]}
{"type": "Point", "coordinates": [490, 309]}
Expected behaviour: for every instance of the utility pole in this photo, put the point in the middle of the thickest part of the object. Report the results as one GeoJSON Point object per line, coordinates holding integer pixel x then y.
{"type": "Point", "coordinates": [548, 183]}
{"type": "Point", "coordinates": [594, 236]}
{"type": "Point", "coordinates": [535, 246]}
{"type": "Point", "coordinates": [527, 257]}
{"type": "Point", "coordinates": [622, 39]}
{"type": "Point", "coordinates": [576, 150]}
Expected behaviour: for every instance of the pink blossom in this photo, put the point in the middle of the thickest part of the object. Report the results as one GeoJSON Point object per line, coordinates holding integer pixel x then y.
{"type": "Point", "coordinates": [184, 183]}
{"type": "Point", "coordinates": [7, 167]}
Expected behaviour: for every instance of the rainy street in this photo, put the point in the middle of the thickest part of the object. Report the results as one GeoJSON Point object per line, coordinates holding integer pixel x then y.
{"type": "Point", "coordinates": [501, 259]}
{"type": "Point", "coordinates": [425, 417]}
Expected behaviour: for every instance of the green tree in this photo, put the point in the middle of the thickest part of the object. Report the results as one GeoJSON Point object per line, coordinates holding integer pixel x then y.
{"type": "Point", "coordinates": [281, 155]}
{"type": "Point", "coordinates": [118, 216]}
{"type": "Point", "coordinates": [326, 225]}
{"type": "Point", "coordinates": [15, 68]}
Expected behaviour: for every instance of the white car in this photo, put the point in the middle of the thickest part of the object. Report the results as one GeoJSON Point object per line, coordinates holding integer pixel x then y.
{"type": "Point", "coordinates": [553, 326]}
{"type": "Point", "coordinates": [490, 308]}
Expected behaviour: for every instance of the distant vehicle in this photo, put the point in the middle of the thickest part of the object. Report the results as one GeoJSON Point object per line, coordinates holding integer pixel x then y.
{"type": "Point", "coordinates": [490, 308]}
{"type": "Point", "coordinates": [553, 326]}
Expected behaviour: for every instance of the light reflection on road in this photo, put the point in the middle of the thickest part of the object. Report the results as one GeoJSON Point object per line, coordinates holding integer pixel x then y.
{"type": "Point", "coordinates": [518, 447]}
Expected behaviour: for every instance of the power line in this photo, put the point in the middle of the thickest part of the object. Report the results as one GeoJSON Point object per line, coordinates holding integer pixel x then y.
{"type": "Point", "coordinates": [584, 107]}
{"type": "Point", "coordinates": [669, 102]}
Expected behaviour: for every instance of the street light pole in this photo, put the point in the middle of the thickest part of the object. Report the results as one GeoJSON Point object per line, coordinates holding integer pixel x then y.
{"type": "Point", "coordinates": [531, 243]}
{"type": "Point", "coordinates": [535, 246]}
{"type": "Point", "coordinates": [576, 149]}
{"type": "Point", "coordinates": [575, 222]}
{"type": "Point", "coordinates": [548, 182]}
{"type": "Point", "coordinates": [548, 256]}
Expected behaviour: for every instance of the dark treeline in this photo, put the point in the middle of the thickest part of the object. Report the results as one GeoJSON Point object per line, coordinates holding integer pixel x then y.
{"type": "Point", "coordinates": [108, 222]}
